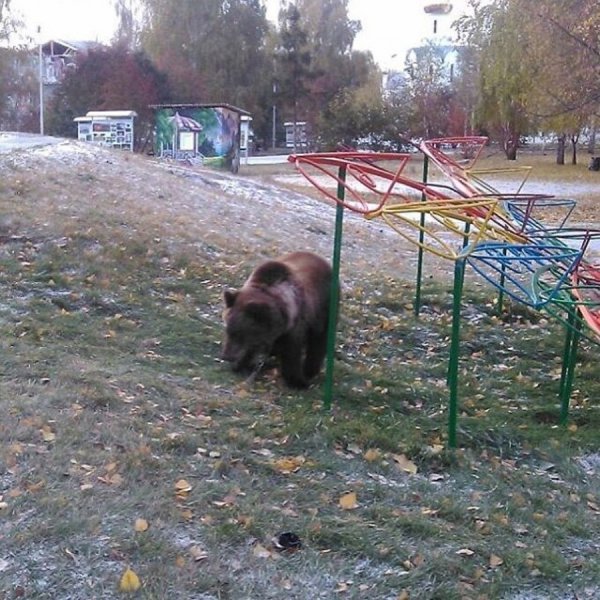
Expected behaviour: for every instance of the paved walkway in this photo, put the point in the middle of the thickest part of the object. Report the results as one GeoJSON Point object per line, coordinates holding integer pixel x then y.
{"type": "Point", "coordinates": [12, 140]}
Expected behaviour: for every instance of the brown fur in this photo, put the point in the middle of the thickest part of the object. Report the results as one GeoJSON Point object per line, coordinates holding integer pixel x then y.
{"type": "Point", "coordinates": [281, 310]}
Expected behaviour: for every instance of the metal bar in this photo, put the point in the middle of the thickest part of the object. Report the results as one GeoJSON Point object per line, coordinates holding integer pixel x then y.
{"type": "Point", "coordinates": [501, 285]}
{"type": "Point", "coordinates": [335, 291]}
{"type": "Point", "coordinates": [570, 373]}
{"type": "Point", "coordinates": [421, 241]}
{"type": "Point", "coordinates": [459, 277]}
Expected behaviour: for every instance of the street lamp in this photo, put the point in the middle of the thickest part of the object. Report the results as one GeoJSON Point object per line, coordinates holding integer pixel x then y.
{"type": "Point", "coordinates": [274, 130]}
{"type": "Point", "coordinates": [41, 67]}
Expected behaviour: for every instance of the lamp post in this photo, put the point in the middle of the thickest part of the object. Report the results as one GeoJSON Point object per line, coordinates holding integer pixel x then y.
{"type": "Point", "coordinates": [274, 127]}
{"type": "Point", "coordinates": [41, 67]}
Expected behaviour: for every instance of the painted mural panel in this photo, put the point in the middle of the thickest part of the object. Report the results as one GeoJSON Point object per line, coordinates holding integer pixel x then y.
{"type": "Point", "coordinates": [210, 133]}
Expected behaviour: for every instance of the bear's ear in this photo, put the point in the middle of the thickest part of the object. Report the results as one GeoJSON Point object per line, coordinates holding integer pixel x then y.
{"type": "Point", "coordinates": [229, 297]}
{"type": "Point", "coordinates": [259, 312]}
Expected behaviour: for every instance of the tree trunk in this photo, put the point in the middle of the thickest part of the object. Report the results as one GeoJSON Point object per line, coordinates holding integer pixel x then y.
{"type": "Point", "coordinates": [560, 149]}
{"type": "Point", "coordinates": [592, 141]}
{"type": "Point", "coordinates": [511, 145]}
{"type": "Point", "coordinates": [574, 140]}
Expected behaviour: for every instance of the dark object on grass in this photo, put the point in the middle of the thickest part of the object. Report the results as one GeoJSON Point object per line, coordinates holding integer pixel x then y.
{"type": "Point", "coordinates": [287, 541]}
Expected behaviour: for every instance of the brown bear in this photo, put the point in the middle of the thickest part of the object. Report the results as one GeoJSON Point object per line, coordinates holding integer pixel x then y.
{"type": "Point", "coordinates": [281, 310]}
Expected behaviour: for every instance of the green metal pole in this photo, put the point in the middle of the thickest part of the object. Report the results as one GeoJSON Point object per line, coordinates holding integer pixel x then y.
{"type": "Point", "coordinates": [501, 286]}
{"type": "Point", "coordinates": [335, 291]}
{"type": "Point", "coordinates": [459, 277]}
{"type": "Point", "coordinates": [566, 352]}
{"type": "Point", "coordinates": [570, 372]}
{"type": "Point", "coordinates": [421, 240]}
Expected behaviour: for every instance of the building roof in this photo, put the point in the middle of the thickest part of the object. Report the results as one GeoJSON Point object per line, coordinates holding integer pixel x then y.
{"type": "Point", "coordinates": [241, 111]}
{"type": "Point", "coordinates": [106, 114]}
{"type": "Point", "coordinates": [62, 47]}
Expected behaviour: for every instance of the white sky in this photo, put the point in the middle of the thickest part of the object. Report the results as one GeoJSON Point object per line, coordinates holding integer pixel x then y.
{"type": "Point", "coordinates": [389, 27]}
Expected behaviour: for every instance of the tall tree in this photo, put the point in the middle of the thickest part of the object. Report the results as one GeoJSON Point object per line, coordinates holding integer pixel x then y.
{"type": "Point", "coordinates": [18, 77]}
{"type": "Point", "coordinates": [539, 66]}
{"type": "Point", "coordinates": [428, 93]}
{"type": "Point", "coordinates": [211, 50]}
{"type": "Point", "coordinates": [505, 79]}
{"type": "Point", "coordinates": [564, 57]}
{"type": "Point", "coordinates": [294, 61]}
{"type": "Point", "coordinates": [330, 37]}
{"type": "Point", "coordinates": [108, 79]}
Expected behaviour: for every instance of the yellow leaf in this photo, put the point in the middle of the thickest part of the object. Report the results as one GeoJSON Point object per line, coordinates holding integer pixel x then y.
{"type": "Point", "coordinates": [289, 464]}
{"type": "Point", "coordinates": [348, 501]}
{"type": "Point", "coordinates": [408, 466]}
{"type": "Point", "coordinates": [198, 553]}
{"type": "Point", "coordinates": [435, 449]}
{"type": "Point", "coordinates": [183, 487]}
{"type": "Point", "coordinates": [495, 561]}
{"type": "Point", "coordinates": [141, 525]}
{"type": "Point", "coordinates": [47, 434]}
{"type": "Point", "coordinates": [403, 595]}
{"type": "Point", "coordinates": [180, 562]}
{"type": "Point", "coordinates": [186, 514]}
{"type": "Point", "coordinates": [372, 454]}
{"type": "Point", "coordinates": [130, 582]}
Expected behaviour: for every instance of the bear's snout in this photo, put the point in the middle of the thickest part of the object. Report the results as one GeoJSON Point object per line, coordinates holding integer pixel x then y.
{"type": "Point", "coordinates": [242, 358]}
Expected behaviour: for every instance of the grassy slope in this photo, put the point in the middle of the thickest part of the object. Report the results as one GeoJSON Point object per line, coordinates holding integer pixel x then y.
{"type": "Point", "coordinates": [111, 395]}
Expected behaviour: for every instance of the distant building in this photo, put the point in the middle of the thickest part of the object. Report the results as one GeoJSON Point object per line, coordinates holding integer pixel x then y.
{"type": "Point", "coordinates": [439, 20]}
{"type": "Point", "coordinates": [437, 37]}
{"type": "Point", "coordinates": [296, 137]}
{"type": "Point", "coordinates": [59, 57]}
{"type": "Point", "coordinates": [108, 128]}
{"type": "Point", "coordinates": [208, 133]}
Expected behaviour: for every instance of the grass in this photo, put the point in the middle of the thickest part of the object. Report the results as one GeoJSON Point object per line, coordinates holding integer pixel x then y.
{"type": "Point", "coordinates": [114, 408]}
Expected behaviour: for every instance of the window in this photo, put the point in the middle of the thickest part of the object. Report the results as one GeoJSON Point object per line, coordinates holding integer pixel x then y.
{"type": "Point", "coordinates": [186, 141]}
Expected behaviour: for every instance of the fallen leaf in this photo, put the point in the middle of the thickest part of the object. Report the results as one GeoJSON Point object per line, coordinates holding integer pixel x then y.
{"type": "Point", "coordinates": [342, 586]}
{"type": "Point", "coordinates": [465, 552]}
{"type": "Point", "coordinates": [403, 595]}
{"type": "Point", "coordinates": [130, 582]}
{"type": "Point", "coordinates": [198, 553]}
{"type": "Point", "coordinates": [372, 454]}
{"type": "Point", "coordinates": [180, 562]}
{"type": "Point", "coordinates": [47, 434]}
{"type": "Point", "coordinates": [141, 525]}
{"type": "Point", "coordinates": [260, 551]}
{"type": "Point", "coordinates": [405, 464]}
{"type": "Point", "coordinates": [348, 501]}
{"type": "Point", "coordinates": [289, 464]}
{"type": "Point", "coordinates": [435, 449]}
{"type": "Point", "coordinates": [354, 448]}
{"type": "Point", "coordinates": [187, 514]}
{"type": "Point", "coordinates": [35, 487]}
{"type": "Point", "coordinates": [495, 561]}
{"type": "Point", "coordinates": [183, 487]}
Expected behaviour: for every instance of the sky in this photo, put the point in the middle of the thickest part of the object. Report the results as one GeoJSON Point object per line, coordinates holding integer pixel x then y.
{"type": "Point", "coordinates": [389, 27]}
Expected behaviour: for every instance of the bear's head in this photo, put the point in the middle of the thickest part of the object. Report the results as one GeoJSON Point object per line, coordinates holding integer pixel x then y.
{"type": "Point", "coordinates": [253, 322]}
